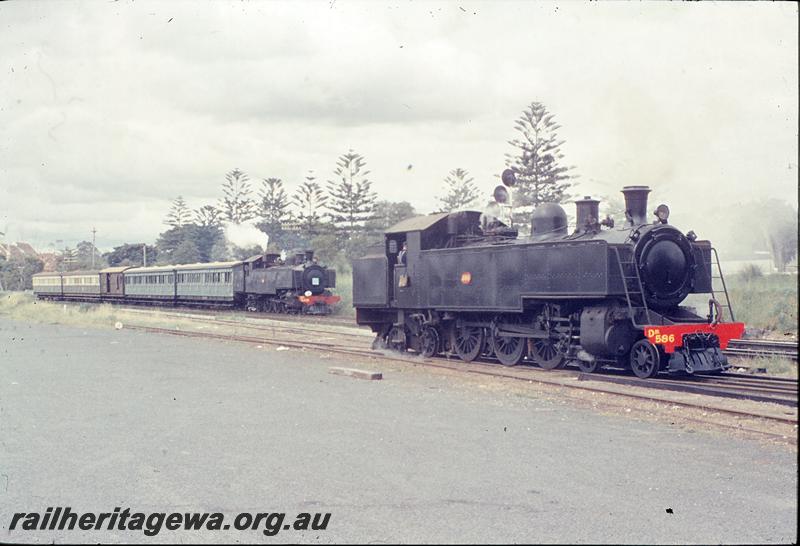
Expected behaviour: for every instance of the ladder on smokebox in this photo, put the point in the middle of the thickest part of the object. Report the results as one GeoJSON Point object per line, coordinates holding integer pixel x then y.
{"type": "Point", "coordinates": [713, 259]}
{"type": "Point", "coordinates": [632, 283]}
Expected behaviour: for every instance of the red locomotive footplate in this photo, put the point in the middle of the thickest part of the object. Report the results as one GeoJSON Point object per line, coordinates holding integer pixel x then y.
{"type": "Point", "coordinates": [311, 300]}
{"type": "Point", "coordinates": [671, 336]}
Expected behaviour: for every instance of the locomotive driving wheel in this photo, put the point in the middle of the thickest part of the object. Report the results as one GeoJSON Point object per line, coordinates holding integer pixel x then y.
{"type": "Point", "coordinates": [429, 342]}
{"type": "Point", "coordinates": [467, 341]}
{"type": "Point", "coordinates": [645, 359]}
{"type": "Point", "coordinates": [396, 339]}
{"type": "Point", "coordinates": [546, 353]}
{"type": "Point", "coordinates": [589, 366]}
{"type": "Point", "coordinates": [509, 350]}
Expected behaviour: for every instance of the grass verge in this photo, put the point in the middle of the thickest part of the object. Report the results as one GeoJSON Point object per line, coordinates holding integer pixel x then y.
{"type": "Point", "coordinates": [773, 365]}
{"type": "Point", "coordinates": [768, 302]}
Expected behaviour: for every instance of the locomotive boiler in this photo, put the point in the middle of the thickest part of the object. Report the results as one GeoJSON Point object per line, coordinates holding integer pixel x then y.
{"type": "Point", "coordinates": [597, 295]}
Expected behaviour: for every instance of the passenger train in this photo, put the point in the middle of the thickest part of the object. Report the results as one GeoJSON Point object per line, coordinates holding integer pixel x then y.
{"type": "Point", "coordinates": [262, 283]}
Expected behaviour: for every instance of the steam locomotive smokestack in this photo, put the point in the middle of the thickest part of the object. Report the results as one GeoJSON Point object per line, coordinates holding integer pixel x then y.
{"type": "Point", "coordinates": [635, 205]}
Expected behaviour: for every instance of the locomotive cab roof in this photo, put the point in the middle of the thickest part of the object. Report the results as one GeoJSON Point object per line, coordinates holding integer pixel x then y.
{"type": "Point", "coordinates": [442, 229]}
{"type": "Point", "coordinates": [418, 223]}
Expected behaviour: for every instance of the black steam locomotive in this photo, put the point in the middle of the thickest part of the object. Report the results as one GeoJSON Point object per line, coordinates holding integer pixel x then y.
{"type": "Point", "coordinates": [600, 295]}
{"type": "Point", "coordinates": [297, 285]}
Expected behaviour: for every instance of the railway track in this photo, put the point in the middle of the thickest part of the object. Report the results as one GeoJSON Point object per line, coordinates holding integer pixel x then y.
{"type": "Point", "coordinates": [762, 423]}
{"type": "Point", "coordinates": [775, 390]}
{"type": "Point", "coordinates": [738, 347]}
{"type": "Point", "coordinates": [340, 336]}
{"type": "Point", "coordinates": [357, 342]}
{"type": "Point", "coordinates": [232, 314]}
{"type": "Point", "coordinates": [763, 348]}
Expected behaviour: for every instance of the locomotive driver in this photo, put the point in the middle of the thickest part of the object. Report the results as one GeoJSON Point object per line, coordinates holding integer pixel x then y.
{"type": "Point", "coordinates": [401, 256]}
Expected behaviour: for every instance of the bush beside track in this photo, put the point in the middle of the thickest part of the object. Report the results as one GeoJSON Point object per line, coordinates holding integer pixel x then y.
{"type": "Point", "coordinates": [767, 303]}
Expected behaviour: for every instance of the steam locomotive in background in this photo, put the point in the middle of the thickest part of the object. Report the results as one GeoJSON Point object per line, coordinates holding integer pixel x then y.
{"type": "Point", "coordinates": [599, 295]}
{"type": "Point", "coordinates": [263, 283]}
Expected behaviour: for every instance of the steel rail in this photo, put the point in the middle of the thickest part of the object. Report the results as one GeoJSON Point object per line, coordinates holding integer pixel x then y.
{"type": "Point", "coordinates": [763, 348]}
{"type": "Point", "coordinates": [739, 387]}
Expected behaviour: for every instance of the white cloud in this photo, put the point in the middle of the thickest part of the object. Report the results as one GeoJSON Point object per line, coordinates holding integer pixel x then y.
{"type": "Point", "coordinates": [108, 111]}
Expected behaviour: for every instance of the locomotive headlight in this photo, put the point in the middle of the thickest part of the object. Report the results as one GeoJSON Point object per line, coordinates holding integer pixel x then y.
{"type": "Point", "coordinates": [308, 293]}
{"type": "Point", "coordinates": [662, 213]}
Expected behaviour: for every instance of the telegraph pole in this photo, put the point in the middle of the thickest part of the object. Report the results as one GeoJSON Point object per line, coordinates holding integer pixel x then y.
{"type": "Point", "coordinates": [94, 231]}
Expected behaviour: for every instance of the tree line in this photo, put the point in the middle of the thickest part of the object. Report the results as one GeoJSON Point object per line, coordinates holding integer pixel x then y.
{"type": "Point", "coordinates": [342, 217]}
{"type": "Point", "coordinates": [339, 218]}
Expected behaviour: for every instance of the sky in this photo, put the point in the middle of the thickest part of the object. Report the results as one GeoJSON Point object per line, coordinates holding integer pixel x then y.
{"type": "Point", "coordinates": [109, 110]}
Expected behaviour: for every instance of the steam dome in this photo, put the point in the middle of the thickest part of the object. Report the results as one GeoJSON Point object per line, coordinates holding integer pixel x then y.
{"type": "Point", "coordinates": [548, 219]}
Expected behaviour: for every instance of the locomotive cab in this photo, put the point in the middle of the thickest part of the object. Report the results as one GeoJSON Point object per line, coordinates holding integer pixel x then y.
{"type": "Point", "coordinates": [391, 276]}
